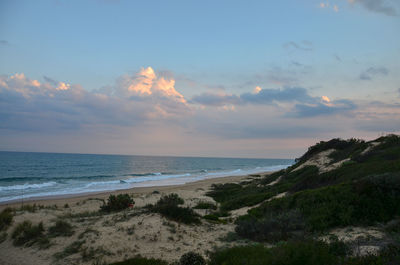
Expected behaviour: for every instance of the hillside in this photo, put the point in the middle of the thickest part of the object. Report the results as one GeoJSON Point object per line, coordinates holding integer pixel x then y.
{"type": "Point", "coordinates": [335, 188]}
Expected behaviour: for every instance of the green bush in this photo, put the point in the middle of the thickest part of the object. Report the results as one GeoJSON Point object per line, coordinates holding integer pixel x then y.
{"type": "Point", "coordinates": [168, 207]}
{"type": "Point", "coordinates": [27, 234]}
{"type": "Point", "coordinates": [273, 227]}
{"type": "Point", "coordinates": [117, 203]}
{"type": "Point", "coordinates": [61, 228]}
{"type": "Point", "coordinates": [6, 217]}
{"type": "Point", "coordinates": [141, 261]}
{"type": "Point", "coordinates": [170, 200]}
{"type": "Point", "coordinates": [205, 205]}
{"type": "Point", "coordinates": [290, 253]}
{"type": "Point", "coordinates": [192, 258]}
{"type": "Point", "coordinates": [362, 202]}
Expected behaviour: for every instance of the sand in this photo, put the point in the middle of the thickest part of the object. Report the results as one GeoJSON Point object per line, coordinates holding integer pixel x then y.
{"type": "Point", "coordinates": [115, 237]}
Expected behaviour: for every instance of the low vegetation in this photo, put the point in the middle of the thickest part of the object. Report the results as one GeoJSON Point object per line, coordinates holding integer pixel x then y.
{"type": "Point", "coordinates": [192, 258]}
{"type": "Point", "coordinates": [27, 234]}
{"type": "Point", "coordinates": [117, 203]}
{"type": "Point", "coordinates": [205, 205]}
{"type": "Point", "coordinates": [61, 228]}
{"type": "Point", "coordinates": [6, 218]}
{"type": "Point", "coordinates": [141, 261]}
{"type": "Point", "coordinates": [168, 206]}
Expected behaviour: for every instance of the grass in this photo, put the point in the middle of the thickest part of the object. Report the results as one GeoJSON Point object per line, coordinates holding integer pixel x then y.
{"type": "Point", "coordinates": [61, 228]}
{"type": "Point", "coordinates": [27, 234]}
{"type": "Point", "coordinates": [6, 218]}
{"type": "Point", "coordinates": [71, 249]}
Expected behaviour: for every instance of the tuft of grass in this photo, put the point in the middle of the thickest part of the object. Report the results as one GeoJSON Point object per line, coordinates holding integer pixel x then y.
{"type": "Point", "coordinates": [88, 231]}
{"type": "Point", "coordinates": [71, 249]}
{"type": "Point", "coordinates": [61, 228]}
{"type": "Point", "coordinates": [3, 237]}
{"type": "Point", "coordinates": [27, 234]}
{"type": "Point", "coordinates": [6, 218]}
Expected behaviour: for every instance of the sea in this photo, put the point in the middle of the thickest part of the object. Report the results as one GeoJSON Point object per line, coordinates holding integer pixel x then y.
{"type": "Point", "coordinates": [25, 175]}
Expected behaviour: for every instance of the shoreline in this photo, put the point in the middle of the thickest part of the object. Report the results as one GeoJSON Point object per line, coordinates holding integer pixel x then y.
{"type": "Point", "coordinates": [60, 200]}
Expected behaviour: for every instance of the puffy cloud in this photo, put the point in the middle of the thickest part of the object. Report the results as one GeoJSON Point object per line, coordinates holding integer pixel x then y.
{"type": "Point", "coordinates": [27, 104]}
{"type": "Point", "coordinates": [372, 72]}
{"type": "Point", "coordinates": [378, 6]}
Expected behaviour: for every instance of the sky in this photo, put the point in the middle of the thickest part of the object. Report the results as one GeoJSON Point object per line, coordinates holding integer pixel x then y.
{"type": "Point", "coordinates": [196, 78]}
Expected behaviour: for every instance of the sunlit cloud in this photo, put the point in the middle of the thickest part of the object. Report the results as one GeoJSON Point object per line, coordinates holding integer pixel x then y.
{"type": "Point", "coordinates": [327, 5]}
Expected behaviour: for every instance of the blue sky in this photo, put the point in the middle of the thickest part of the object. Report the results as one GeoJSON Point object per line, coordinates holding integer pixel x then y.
{"type": "Point", "coordinates": [226, 78]}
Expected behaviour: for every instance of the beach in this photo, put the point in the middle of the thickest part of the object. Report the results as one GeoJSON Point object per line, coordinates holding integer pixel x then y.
{"type": "Point", "coordinates": [117, 236]}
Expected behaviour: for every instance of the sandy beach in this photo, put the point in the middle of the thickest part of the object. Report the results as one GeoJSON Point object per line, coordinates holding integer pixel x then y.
{"type": "Point", "coordinates": [117, 236]}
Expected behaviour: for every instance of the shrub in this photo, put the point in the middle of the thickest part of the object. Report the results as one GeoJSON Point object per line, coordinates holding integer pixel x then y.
{"type": "Point", "coordinates": [192, 258]}
{"type": "Point", "coordinates": [272, 228]}
{"type": "Point", "coordinates": [61, 228]}
{"type": "Point", "coordinates": [141, 261]}
{"type": "Point", "coordinates": [172, 199]}
{"type": "Point", "coordinates": [27, 234]}
{"type": "Point", "coordinates": [117, 203]}
{"type": "Point", "coordinates": [205, 205]}
{"type": "Point", "coordinates": [168, 207]}
{"type": "Point", "coordinates": [290, 253]}
{"type": "Point", "coordinates": [6, 217]}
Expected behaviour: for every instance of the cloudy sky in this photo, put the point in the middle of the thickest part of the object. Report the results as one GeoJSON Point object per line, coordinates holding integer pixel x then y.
{"type": "Point", "coordinates": [196, 78]}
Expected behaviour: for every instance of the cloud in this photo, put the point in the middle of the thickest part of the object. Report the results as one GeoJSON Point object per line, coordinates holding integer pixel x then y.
{"type": "Point", "coordinates": [325, 107]}
{"type": "Point", "coordinates": [212, 99]}
{"type": "Point", "coordinates": [378, 6]}
{"type": "Point", "coordinates": [327, 5]}
{"type": "Point", "coordinates": [303, 46]}
{"type": "Point", "coordinates": [303, 104]}
{"type": "Point", "coordinates": [371, 72]}
{"type": "Point", "coordinates": [27, 104]}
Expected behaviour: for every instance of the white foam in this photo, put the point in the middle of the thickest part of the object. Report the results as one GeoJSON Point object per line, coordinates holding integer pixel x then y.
{"type": "Point", "coordinates": [28, 186]}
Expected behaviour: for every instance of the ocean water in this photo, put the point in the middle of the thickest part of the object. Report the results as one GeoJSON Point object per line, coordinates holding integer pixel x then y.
{"type": "Point", "coordinates": [28, 175]}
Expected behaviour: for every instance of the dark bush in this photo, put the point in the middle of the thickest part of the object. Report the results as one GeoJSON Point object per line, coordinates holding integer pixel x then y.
{"type": "Point", "coordinates": [27, 234]}
{"type": "Point", "coordinates": [192, 258]}
{"type": "Point", "coordinates": [141, 261]}
{"type": "Point", "coordinates": [6, 217]}
{"type": "Point", "coordinates": [272, 228]}
{"type": "Point", "coordinates": [290, 253]}
{"type": "Point", "coordinates": [170, 200]}
{"type": "Point", "coordinates": [117, 203]}
{"type": "Point", "coordinates": [61, 228]}
{"type": "Point", "coordinates": [168, 206]}
{"type": "Point", "coordinates": [205, 205]}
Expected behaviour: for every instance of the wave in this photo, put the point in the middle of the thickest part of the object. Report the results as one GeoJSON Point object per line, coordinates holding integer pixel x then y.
{"type": "Point", "coordinates": [28, 186]}
{"type": "Point", "coordinates": [71, 186]}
